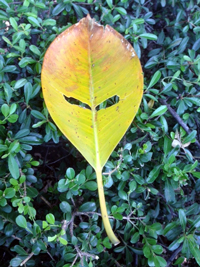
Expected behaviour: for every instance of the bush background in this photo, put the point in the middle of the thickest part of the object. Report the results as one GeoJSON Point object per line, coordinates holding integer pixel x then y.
{"type": "Point", "coordinates": [49, 209]}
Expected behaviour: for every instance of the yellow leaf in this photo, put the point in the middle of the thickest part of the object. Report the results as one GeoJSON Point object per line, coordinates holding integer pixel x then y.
{"type": "Point", "coordinates": [86, 65]}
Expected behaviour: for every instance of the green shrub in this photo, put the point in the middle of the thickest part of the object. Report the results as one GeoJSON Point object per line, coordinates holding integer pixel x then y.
{"type": "Point", "coordinates": [49, 210]}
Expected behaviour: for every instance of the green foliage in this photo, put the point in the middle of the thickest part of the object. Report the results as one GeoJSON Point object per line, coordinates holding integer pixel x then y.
{"type": "Point", "coordinates": [49, 210]}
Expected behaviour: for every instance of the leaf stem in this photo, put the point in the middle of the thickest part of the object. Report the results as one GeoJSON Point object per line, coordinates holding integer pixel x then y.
{"type": "Point", "coordinates": [104, 213]}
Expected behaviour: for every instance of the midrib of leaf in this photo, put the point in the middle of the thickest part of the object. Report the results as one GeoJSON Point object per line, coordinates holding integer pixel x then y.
{"type": "Point", "coordinates": [98, 166]}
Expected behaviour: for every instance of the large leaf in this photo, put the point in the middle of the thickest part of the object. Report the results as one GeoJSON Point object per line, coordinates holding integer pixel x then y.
{"type": "Point", "coordinates": [86, 65]}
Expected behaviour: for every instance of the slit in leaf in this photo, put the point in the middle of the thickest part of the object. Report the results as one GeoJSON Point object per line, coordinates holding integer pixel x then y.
{"type": "Point", "coordinates": [75, 101]}
{"type": "Point", "coordinates": [108, 102]}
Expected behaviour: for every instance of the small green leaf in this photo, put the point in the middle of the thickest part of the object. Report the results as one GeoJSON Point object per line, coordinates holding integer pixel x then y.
{"type": "Point", "coordinates": [34, 21]}
{"type": "Point", "coordinates": [91, 185]}
{"type": "Point", "coordinates": [35, 50]}
{"type": "Point", "coordinates": [63, 241]}
{"type": "Point", "coordinates": [9, 192]}
{"type": "Point", "coordinates": [159, 111]}
{"type": "Point", "coordinates": [65, 207]}
{"type": "Point", "coordinates": [182, 218]}
{"type": "Point", "coordinates": [169, 192]}
{"type": "Point", "coordinates": [154, 79]}
{"type": "Point", "coordinates": [13, 108]}
{"type": "Point", "coordinates": [49, 22]}
{"type": "Point", "coordinates": [58, 9]}
{"type": "Point", "coordinates": [157, 249]}
{"type": "Point", "coordinates": [135, 238]}
{"type": "Point", "coordinates": [107, 243]}
{"type": "Point", "coordinates": [5, 110]}
{"type": "Point", "coordinates": [196, 45]}
{"type": "Point", "coordinates": [38, 115]}
{"type": "Point", "coordinates": [148, 36]}
{"type": "Point", "coordinates": [121, 10]}
{"type": "Point", "coordinates": [13, 22]}
{"type": "Point", "coordinates": [13, 118]}
{"type": "Point", "coordinates": [13, 167]}
{"type": "Point", "coordinates": [52, 238]}
{"type": "Point", "coordinates": [70, 173]}
{"type": "Point", "coordinates": [194, 250]}
{"type": "Point", "coordinates": [190, 137]}
{"type": "Point", "coordinates": [15, 262]}
{"type": "Point", "coordinates": [50, 218]}
{"type": "Point", "coordinates": [88, 206]}
{"type": "Point", "coordinates": [21, 221]}
{"type": "Point", "coordinates": [4, 3]}
{"type": "Point", "coordinates": [153, 174]}
{"type": "Point", "coordinates": [196, 174]}
{"type": "Point", "coordinates": [44, 224]}
{"type": "Point", "coordinates": [14, 147]}
{"type": "Point", "coordinates": [110, 3]}
{"type": "Point", "coordinates": [123, 195]}
{"type": "Point", "coordinates": [20, 83]}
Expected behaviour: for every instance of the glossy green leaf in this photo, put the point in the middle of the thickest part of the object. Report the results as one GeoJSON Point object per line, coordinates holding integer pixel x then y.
{"type": "Point", "coordinates": [21, 221]}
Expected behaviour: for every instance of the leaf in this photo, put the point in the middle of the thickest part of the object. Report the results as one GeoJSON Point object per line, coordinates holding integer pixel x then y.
{"type": "Point", "coordinates": [88, 206]}
{"type": "Point", "coordinates": [4, 3]}
{"type": "Point", "coordinates": [87, 128]}
{"type": "Point", "coordinates": [70, 173]}
{"type": "Point", "coordinates": [34, 21]}
{"type": "Point", "coordinates": [121, 10]}
{"type": "Point", "coordinates": [35, 50]}
{"type": "Point", "coordinates": [50, 218]}
{"type": "Point", "coordinates": [110, 3]}
{"type": "Point", "coordinates": [9, 192]}
{"type": "Point", "coordinates": [154, 79]}
{"type": "Point", "coordinates": [49, 22]}
{"type": "Point", "coordinates": [15, 262]}
{"type": "Point", "coordinates": [91, 185]}
{"type": "Point", "coordinates": [13, 23]}
{"type": "Point", "coordinates": [169, 192]}
{"type": "Point", "coordinates": [21, 221]}
{"type": "Point", "coordinates": [159, 111]}
{"type": "Point", "coordinates": [194, 250]}
{"type": "Point", "coordinates": [148, 36]}
{"type": "Point", "coordinates": [20, 83]}
{"type": "Point", "coordinates": [13, 167]}
{"type": "Point", "coordinates": [63, 241]}
{"type": "Point", "coordinates": [5, 110]}
{"type": "Point", "coordinates": [65, 207]}
{"type": "Point", "coordinates": [182, 218]}
{"type": "Point", "coordinates": [58, 9]}
{"type": "Point", "coordinates": [100, 66]}
{"type": "Point", "coordinates": [153, 174]}
{"type": "Point", "coordinates": [196, 45]}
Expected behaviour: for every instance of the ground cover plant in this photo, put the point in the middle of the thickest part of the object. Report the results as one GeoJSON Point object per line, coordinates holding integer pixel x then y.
{"type": "Point", "coordinates": [49, 210]}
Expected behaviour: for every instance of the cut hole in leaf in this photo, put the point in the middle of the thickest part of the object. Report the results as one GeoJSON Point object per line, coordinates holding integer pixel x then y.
{"type": "Point", "coordinates": [107, 103]}
{"type": "Point", "coordinates": [75, 101]}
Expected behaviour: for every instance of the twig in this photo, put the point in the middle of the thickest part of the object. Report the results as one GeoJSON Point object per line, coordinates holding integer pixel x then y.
{"type": "Point", "coordinates": [128, 218]}
{"type": "Point", "coordinates": [178, 119]}
{"type": "Point", "coordinates": [15, 237]}
{"type": "Point", "coordinates": [116, 168]}
{"type": "Point", "coordinates": [173, 256]}
{"type": "Point", "coordinates": [74, 261]}
{"type": "Point", "coordinates": [50, 255]}
{"type": "Point", "coordinates": [46, 201]}
{"type": "Point", "coordinates": [28, 258]}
